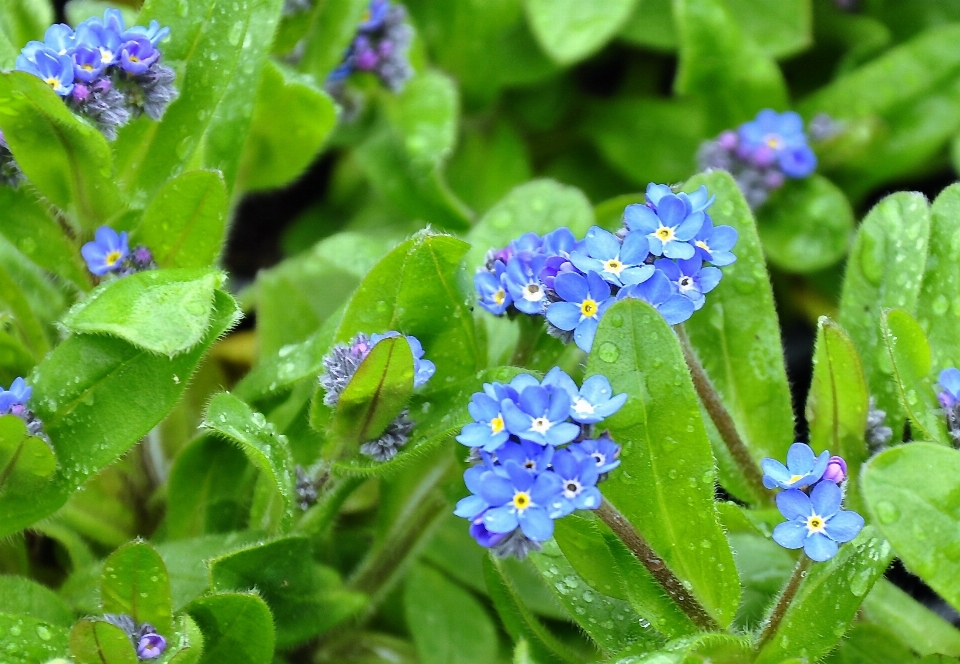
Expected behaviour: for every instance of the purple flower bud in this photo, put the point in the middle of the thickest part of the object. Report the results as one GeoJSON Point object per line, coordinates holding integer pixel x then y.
{"type": "Point", "coordinates": [836, 470]}
{"type": "Point", "coordinates": [763, 156]}
{"type": "Point", "coordinates": [142, 255]}
{"type": "Point", "coordinates": [483, 536]}
{"type": "Point", "coordinates": [946, 400]}
{"type": "Point", "coordinates": [103, 85]}
{"type": "Point", "coordinates": [773, 180]}
{"type": "Point", "coordinates": [366, 59]}
{"type": "Point", "coordinates": [17, 409]}
{"type": "Point", "coordinates": [151, 646]}
{"type": "Point", "coordinates": [728, 140]}
{"type": "Point", "coordinates": [81, 92]}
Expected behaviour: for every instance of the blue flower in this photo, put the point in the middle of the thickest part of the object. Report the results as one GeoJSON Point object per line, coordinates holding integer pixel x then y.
{"type": "Point", "coordinates": [591, 403]}
{"type": "Point", "coordinates": [540, 416]}
{"type": "Point", "coordinates": [803, 468]}
{"type": "Point", "coordinates": [484, 537]}
{"type": "Point", "coordinates": [489, 431]}
{"type": "Point", "coordinates": [423, 369]}
{"type": "Point", "coordinates": [18, 395]}
{"type": "Point", "coordinates": [138, 55]}
{"type": "Point", "coordinates": [781, 135]}
{"type": "Point", "coordinates": [150, 644]}
{"type": "Point", "coordinates": [94, 34]}
{"type": "Point", "coordinates": [604, 452]}
{"type": "Point", "coordinates": [669, 228]}
{"type": "Point", "coordinates": [559, 242]}
{"type": "Point", "coordinates": [815, 522]}
{"type": "Point", "coordinates": [106, 252]}
{"type": "Point", "coordinates": [53, 69]}
{"type": "Point", "coordinates": [698, 201]}
{"type": "Point", "coordinates": [579, 484]}
{"type": "Point", "coordinates": [154, 32]}
{"type": "Point", "coordinates": [585, 300]}
{"type": "Point", "coordinates": [520, 500]}
{"type": "Point", "coordinates": [87, 64]}
{"type": "Point", "coordinates": [374, 16]}
{"type": "Point", "coordinates": [492, 289]}
{"type": "Point", "coordinates": [619, 264]}
{"type": "Point", "coordinates": [949, 387]}
{"type": "Point", "coordinates": [691, 279]}
{"type": "Point", "coordinates": [473, 505]}
{"type": "Point", "coordinates": [523, 282]}
{"type": "Point", "coordinates": [659, 292]}
{"type": "Point", "coordinates": [532, 457]}
{"type": "Point", "coordinates": [714, 243]}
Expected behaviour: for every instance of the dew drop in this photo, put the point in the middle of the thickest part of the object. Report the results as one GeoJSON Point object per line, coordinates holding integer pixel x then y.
{"type": "Point", "coordinates": [608, 352]}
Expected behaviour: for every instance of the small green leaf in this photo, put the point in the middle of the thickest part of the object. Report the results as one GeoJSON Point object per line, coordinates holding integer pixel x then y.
{"type": "Point", "coordinates": [570, 30]}
{"type": "Point", "coordinates": [94, 641]}
{"type": "Point", "coordinates": [186, 644]}
{"type": "Point", "coordinates": [164, 311]}
{"type": "Point", "coordinates": [237, 628]}
{"type": "Point", "coordinates": [911, 491]}
{"type": "Point", "coordinates": [448, 624]}
{"type": "Point", "coordinates": [665, 483]}
{"type": "Point", "coordinates": [135, 583]}
{"type": "Point", "coordinates": [917, 626]}
{"type": "Point", "coordinates": [184, 225]}
{"type": "Point", "coordinates": [807, 225]}
{"type": "Point", "coordinates": [938, 307]}
{"type": "Point", "coordinates": [332, 27]}
{"type": "Point", "coordinates": [27, 640]}
{"type": "Point", "coordinates": [25, 597]}
{"type": "Point", "coordinates": [895, 232]}
{"type": "Point", "coordinates": [26, 462]}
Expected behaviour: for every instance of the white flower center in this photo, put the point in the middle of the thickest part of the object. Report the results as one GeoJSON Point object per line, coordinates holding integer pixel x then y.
{"type": "Point", "coordinates": [613, 266]}
{"type": "Point", "coordinates": [572, 488]}
{"type": "Point", "coordinates": [582, 407]}
{"type": "Point", "coordinates": [600, 457]}
{"type": "Point", "coordinates": [816, 524]}
{"type": "Point", "coordinates": [685, 283]}
{"type": "Point", "coordinates": [532, 293]}
{"type": "Point", "coordinates": [540, 425]}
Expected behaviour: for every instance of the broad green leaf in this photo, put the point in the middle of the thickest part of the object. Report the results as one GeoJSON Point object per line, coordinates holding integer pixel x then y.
{"type": "Point", "coordinates": [582, 544]}
{"type": "Point", "coordinates": [713, 648]}
{"type": "Point", "coordinates": [27, 640]}
{"type": "Point", "coordinates": [764, 567]}
{"type": "Point", "coordinates": [237, 628]}
{"type": "Point", "coordinates": [806, 225]}
{"type": "Point", "coordinates": [416, 290]}
{"type": "Point", "coordinates": [828, 599]}
{"type": "Point", "coordinates": [163, 311]}
{"type": "Point", "coordinates": [448, 624]}
{"type": "Point", "coordinates": [23, 20]}
{"type": "Point", "coordinates": [8, 52]}
{"type": "Point", "coordinates": [25, 597]}
{"type": "Point", "coordinates": [838, 402]}
{"type": "Point", "coordinates": [277, 153]}
{"type": "Point", "coordinates": [489, 162]}
{"type": "Point", "coordinates": [913, 375]}
{"type": "Point", "coordinates": [14, 300]}
{"type": "Point", "coordinates": [894, 233]}
{"type": "Point", "coordinates": [135, 583]}
{"type": "Point", "coordinates": [665, 482]}
{"type": "Point", "coordinates": [569, 30]}
{"type": "Point", "coordinates": [184, 225]}
{"type": "Point", "coordinates": [26, 462]}
{"type": "Point", "coordinates": [332, 27]}
{"type": "Point", "coordinates": [911, 491]}
{"type": "Point", "coordinates": [516, 618]}
{"type": "Point", "coordinates": [938, 307]}
{"type": "Point", "coordinates": [537, 207]}
{"type": "Point", "coordinates": [924, 631]}
{"type": "Point", "coordinates": [46, 299]}
{"type": "Point", "coordinates": [29, 226]}
{"type": "Point", "coordinates": [67, 160]}
{"type": "Point", "coordinates": [231, 418]}
{"type": "Point", "coordinates": [94, 641]}
{"type": "Point", "coordinates": [737, 338]}
{"type": "Point", "coordinates": [97, 396]}
{"type": "Point", "coordinates": [186, 644]}
{"type": "Point", "coordinates": [723, 67]}
{"type": "Point", "coordinates": [871, 644]}
{"type": "Point", "coordinates": [291, 364]}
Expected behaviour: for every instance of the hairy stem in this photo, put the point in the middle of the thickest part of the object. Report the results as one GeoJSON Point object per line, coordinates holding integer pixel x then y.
{"type": "Point", "coordinates": [786, 597]}
{"type": "Point", "coordinates": [642, 551]}
{"type": "Point", "coordinates": [721, 416]}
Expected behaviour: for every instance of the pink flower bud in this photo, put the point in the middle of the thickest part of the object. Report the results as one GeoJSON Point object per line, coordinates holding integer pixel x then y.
{"type": "Point", "coordinates": [836, 470]}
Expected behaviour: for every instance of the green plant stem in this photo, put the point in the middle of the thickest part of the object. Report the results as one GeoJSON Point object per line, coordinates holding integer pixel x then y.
{"type": "Point", "coordinates": [721, 416]}
{"type": "Point", "coordinates": [786, 597]}
{"type": "Point", "coordinates": [531, 329]}
{"type": "Point", "coordinates": [643, 552]}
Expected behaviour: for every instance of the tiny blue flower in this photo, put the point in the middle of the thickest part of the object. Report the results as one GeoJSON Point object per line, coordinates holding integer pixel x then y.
{"type": "Point", "coordinates": [540, 416]}
{"type": "Point", "coordinates": [153, 32]}
{"type": "Point", "coordinates": [87, 64]}
{"type": "Point", "coordinates": [803, 468]}
{"type": "Point", "coordinates": [484, 537]}
{"type": "Point", "coordinates": [523, 282]}
{"type": "Point", "coordinates": [473, 505]}
{"type": "Point", "coordinates": [585, 300]}
{"type": "Point", "coordinates": [138, 55]}
{"type": "Point", "coordinates": [489, 431]}
{"type": "Point", "coordinates": [60, 38]}
{"type": "Point", "coordinates": [619, 264]}
{"type": "Point", "coordinates": [150, 645]}
{"type": "Point", "coordinates": [691, 279]}
{"type": "Point", "coordinates": [18, 395]}
{"type": "Point", "coordinates": [532, 457]}
{"type": "Point", "coordinates": [423, 369]}
{"type": "Point", "coordinates": [949, 387]}
{"type": "Point", "coordinates": [529, 242]}
{"type": "Point", "coordinates": [520, 499]}
{"type": "Point", "coordinates": [698, 201]}
{"type": "Point", "coordinates": [781, 135]}
{"type": "Point", "coordinates": [604, 452]}
{"type": "Point", "coordinates": [659, 292]}
{"type": "Point", "coordinates": [53, 69]}
{"type": "Point", "coordinates": [579, 484]}
{"type": "Point", "coordinates": [669, 228]}
{"type": "Point", "coordinates": [94, 34]}
{"type": "Point", "coordinates": [815, 522]}
{"type": "Point", "coordinates": [106, 252]}
{"type": "Point", "coordinates": [559, 242]}
{"type": "Point", "coordinates": [492, 289]}
{"type": "Point", "coordinates": [714, 243]}
{"type": "Point", "coordinates": [591, 403]}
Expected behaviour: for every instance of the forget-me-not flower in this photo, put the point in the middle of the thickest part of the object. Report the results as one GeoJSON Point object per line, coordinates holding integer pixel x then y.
{"type": "Point", "coordinates": [691, 278]}
{"type": "Point", "coordinates": [578, 476]}
{"type": "Point", "coordinates": [603, 451]}
{"type": "Point", "coordinates": [592, 402]}
{"type": "Point", "coordinates": [617, 263]}
{"type": "Point", "coordinates": [18, 395]}
{"type": "Point", "coordinates": [489, 431]}
{"type": "Point", "coordinates": [669, 228]}
{"type": "Point", "coordinates": [492, 289]}
{"type": "Point", "coordinates": [714, 243]}
{"type": "Point", "coordinates": [803, 468]}
{"type": "Point", "coordinates": [781, 136]}
{"type": "Point", "coordinates": [540, 416]}
{"type": "Point", "coordinates": [532, 457]}
{"type": "Point", "coordinates": [53, 69]}
{"type": "Point", "coordinates": [523, 282]}
{"type": "Point", "coordinates": [520, 499]}
{"type": "Point", "coordinates": [106, 252]}
{"type": "Point", "coordinates": [659, 292]}
{"type": "Point", "coordinates": [815, 522]}
{"type": "Point", "coordinates": [584, 301]}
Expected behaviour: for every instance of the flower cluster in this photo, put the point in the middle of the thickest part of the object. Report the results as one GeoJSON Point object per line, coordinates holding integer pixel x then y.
{"type": "Point", "coordinates": [341, 364]}
{"type": "Point", "coordinates": [668, 254]}
{"type": "Point", "coordinates": [104, 70]}
{"type": "Point", "coordinates": [811, 500]}
{"type": "Point", "coordinates": [381, 46]}
{"type": "Point", "coordinates": [147, 642]}
{"type": "Point", "coordinates": [539, 458]}
{"type": "Point", "coordinates": [14, 402]}
{"type": "Point", "coordinates": [109, 253]}
{"type": "Point", "coordinates": [761, 154]}
{"type": "Point", "coordinates": [949, 398]}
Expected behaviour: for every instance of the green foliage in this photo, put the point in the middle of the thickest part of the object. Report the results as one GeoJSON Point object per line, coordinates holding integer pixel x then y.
{"type": "Point", "coordinates": [570, 30]}
{"type": "Point", "coordinates": [135, 583]}
{"type": "Point", "coordinates": [237, 627]}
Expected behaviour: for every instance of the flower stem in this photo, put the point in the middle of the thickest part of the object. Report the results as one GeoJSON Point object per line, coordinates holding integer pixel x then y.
{"type": "Point", "coordinates": [531, 329]}
{"type": "Point", "coordinates": [642, 551]}
{"type": "Point", "coordinates": [786, 597]}
{"type": "Point", "coordinates": [721, 416]}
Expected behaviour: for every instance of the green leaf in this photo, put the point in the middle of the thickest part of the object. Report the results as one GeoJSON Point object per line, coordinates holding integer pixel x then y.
{"type": "Point", "coordinates": [665, 483]}
{"type": "Point", "coordinates": [277, 153]}
{"type": "Point", "coordinates": [764, 567]}
{"type": "Point", "coordinates": [582, 544]}
{"type": "Point", "coordinates": [911, 491]}
{"type": "Point", "coordinates": [780, 28]}
{"type": "Point", "coordinates": [806, 225]}
{"type": "Point", "coordinates": [23, 20]}
{"type": "Point", "coordinates": [569, 30]}
{"type": "Point", "coordinates": [305, 599]}
{"type": "Point", "coordinates": [164, 311]}
{"type": "Point", "coordinates": [67, 160]}
{"type": "Point", "coordinates": [28, 225]}
{"type": "Point", "coordinates": [237, 628]}
{"type": "Point", "coordinates": [714, 648]}
{"type": "Point", "coordinates": [489, 162]}
{"type": "Point", "coordinates": [26, 640]}
{"type": "Point", "coordinates": [651, 25]}
{"type": "Point", "coordinates": [828, 599]}
{"type": "Point", "coordinates": [722, 67]}
{"type": "Point", "coordinates": [231, 418]}
{"type": "Point", "coordinates": [186, 644]}
{"type": "Point", "coordinates": [448, 624]}
{"type": "Point", "coordinates": [838, 402]}
{"type": "Point", "coordinates": [895, 232]}
{"type": "Point", "coordinates": [917, 626]}
{"type": "Point", "coordinates": [913, 375]}
{"type": "Point", "coordinates": [737, 338]}
{"type": "Point", "coordinates": [184, 225]}
{"type": "Point", "coordinates": [938, 307]}
{"type": "Point", "coordinates": [94, 641]}
{"type": "Point", "coordinates": [25, 597]}
{"type": "Point", "coordinates": [292, 364]}
{"type": "Point", "coordinates": [871, 644]}
{"type": "Point", "coordinates": [333, 25]}
{"type": "Point", "coordinates": [135, 583]}
{"type": "Point", "coordinates": [14, 300]}
{"type": "Point", "coordinates": [26, 462]}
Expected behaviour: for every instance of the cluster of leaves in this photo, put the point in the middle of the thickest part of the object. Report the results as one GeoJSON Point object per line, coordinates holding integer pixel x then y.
{"type": "Point", "coordinates": [129, 375]}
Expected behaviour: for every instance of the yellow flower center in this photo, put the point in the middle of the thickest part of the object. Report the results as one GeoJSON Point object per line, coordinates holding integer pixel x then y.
{"type": "Point", "coordinates": [53, 82]}
{"type": "Point", "coordinates": [113, 257]}
{"type": "Point", "coordinates": [773, 141]}
{"type": "Point", "coordinates": [664, 233]}
{"type": "Point", "coordinates": [614, 266]}
{"type": "Point", "coordinates": [86, 67]}
{"type": "Point", "coordinates": [702, 245]}
{"type": "Point", "coordinates": [496, 424]}
{"type": "Point", "coordinates": [499, 296]}
{"type": "Point", "coordinates": [521, 500]}
{"type": "Point", "coordinates": [588, 308]}
{"type": "Point", "coordinates": [794, 478]}
{"type": "Point", "coordinates": [134, 58]}
{"type": "Point", "coordinates": [816, 524]}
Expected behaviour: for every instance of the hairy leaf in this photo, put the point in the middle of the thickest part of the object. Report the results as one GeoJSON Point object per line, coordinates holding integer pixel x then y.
{"type": "Point", "coordinates": [237, 628]}
{"type": "Point", "coordinates": [135, 583]}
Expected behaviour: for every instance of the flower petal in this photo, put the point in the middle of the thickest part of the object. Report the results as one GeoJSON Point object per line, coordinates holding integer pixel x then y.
{"type": "Point", "coordinates": [794, 504]}
{"type": "Point", "coordinates": [844, 526]}
{"type": "Point", "coordinates": [500, 520]}
{"type": "Point", "coordinates": [536, 524]}
{"type": "Point", "coordinates": [819, 547]}
{"type": "Point", "coordinates": [790, 534]}
{"type": "Point", "coordinates": [800, 459]}
{"type": "Point", "coordinates": [826, 497]}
